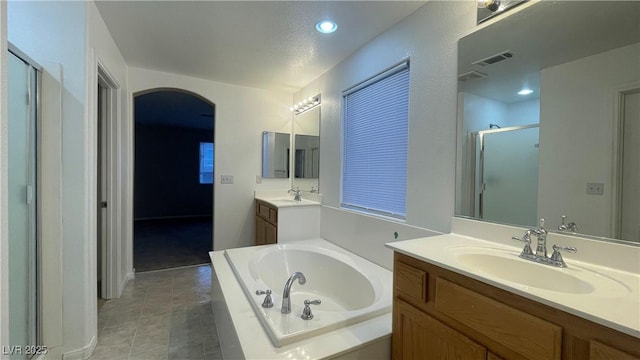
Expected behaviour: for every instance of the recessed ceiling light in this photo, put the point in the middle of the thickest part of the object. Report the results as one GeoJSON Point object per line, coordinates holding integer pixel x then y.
{"type": "Point", "coordinates": [525, 92]}
{"type": "Point", "coordinates": [326, 26]}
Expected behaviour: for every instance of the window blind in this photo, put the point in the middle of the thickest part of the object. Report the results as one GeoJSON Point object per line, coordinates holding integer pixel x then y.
{"type": "Point", "coordinates": [206, 163]}
{"type": "Point", "coordinates": [375, 139]}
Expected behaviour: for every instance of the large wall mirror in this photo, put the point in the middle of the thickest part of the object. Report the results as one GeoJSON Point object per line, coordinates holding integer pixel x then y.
{"type": "Point", "coordinates": [306, 158]}
{"type": "Point", "coordinates": [275, 155]}
{"type": "Point", "coordinates": [549, 119]}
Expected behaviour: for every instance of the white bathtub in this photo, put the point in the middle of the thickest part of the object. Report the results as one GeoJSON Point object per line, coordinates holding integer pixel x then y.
{"type": "Point", "coordinates": [351, 288]}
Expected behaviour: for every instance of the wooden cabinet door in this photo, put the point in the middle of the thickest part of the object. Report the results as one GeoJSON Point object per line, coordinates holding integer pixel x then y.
{"type": "Point", "coordinates": [600, 351]}
{"type": "Point", "coordinates": [271, 233]}
{"type": "Point", "coordinates": [417, 335]}
{"type": "Point", "coordinates": [260, 231]}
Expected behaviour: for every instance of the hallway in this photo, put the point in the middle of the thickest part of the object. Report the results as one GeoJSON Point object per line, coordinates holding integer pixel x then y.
{"type": "Point", "coordinates": [160, 315]}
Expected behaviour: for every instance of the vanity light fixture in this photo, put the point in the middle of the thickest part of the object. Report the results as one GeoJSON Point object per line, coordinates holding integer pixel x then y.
{"type": "Point", "coordinates": [305, 105]}
{"type": "Point", "coordinates": [525, 92]}
{"type": "Point", "coordinates": [326, 26]}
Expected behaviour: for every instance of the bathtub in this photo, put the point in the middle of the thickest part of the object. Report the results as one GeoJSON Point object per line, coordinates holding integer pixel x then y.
{"type": "Point", "coordinates": [351, 289]}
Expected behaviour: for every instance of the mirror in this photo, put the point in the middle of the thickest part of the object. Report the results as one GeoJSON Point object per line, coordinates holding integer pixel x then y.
{"type": "Point", "coordinates": [306, 129]}
{"type": "Point", "coordinates": [570, 144]}
{"type": "Point", "coordinates": [275, 155]}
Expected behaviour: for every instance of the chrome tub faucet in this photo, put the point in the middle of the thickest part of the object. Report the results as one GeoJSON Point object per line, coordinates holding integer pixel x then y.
{"type": "Point", "coordinates": [286, 299]}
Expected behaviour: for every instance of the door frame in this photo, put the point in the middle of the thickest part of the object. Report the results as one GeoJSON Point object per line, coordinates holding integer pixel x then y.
{"type": "Point", "coordinates": [618, 94]}
{"type": "Point", "coordinates": [111, 256]}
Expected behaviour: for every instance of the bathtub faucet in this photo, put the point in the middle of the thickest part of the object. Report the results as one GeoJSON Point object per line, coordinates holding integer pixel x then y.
{"type": "Point", "coordinates": [286, 300]}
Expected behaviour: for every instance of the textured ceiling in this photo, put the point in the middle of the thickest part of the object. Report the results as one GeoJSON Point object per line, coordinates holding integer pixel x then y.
{"type": "Point", "coordinates": [264, 44]}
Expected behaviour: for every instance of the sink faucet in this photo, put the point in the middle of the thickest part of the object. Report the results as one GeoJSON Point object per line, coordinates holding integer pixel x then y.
{"type": "Point", "coordinates": [541, 233]}
{"type": "Point", "coordinates": [572, 227]}
{"type": "Point", "coordinates": [286, 299]}
{"type": "Point", "coordinates": [296, 194]}
{"type": "Point", "coordinates": [540, 255]}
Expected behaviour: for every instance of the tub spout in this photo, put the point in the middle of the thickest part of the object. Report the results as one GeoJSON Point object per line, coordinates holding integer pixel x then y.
{"type": "Point", "coordinates": [286, 300]}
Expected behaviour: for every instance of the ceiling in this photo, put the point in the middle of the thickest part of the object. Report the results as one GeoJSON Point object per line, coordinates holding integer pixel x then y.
{"type": "Point", "coordinates": [263, 44]}
{"type": "Point", "coordinates": [544, 35]}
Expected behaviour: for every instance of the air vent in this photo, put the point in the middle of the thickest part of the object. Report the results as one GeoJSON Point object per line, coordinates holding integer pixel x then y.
{"type": "Point", "coordinates": [472, 75]}
{"type": "Point", "coordinates": [494, 58]}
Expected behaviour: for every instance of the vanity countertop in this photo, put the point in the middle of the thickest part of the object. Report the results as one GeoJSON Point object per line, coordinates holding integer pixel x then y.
{"type": "Point", "coordinates": [618, 309]}
{"type": "Point", "coordinates": [286, 202]}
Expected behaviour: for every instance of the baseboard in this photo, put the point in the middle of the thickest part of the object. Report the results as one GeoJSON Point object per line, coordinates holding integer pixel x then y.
{"type": "Point", "coordinates": [83, 353]}
{"type": "Point", "coordinates": [130, 276]}
{"type": "Point", "coordinates": [173, 217]}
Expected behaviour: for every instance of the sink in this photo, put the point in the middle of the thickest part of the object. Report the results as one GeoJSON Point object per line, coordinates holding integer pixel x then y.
{"type": "Point", "coordinates": [508, 267]}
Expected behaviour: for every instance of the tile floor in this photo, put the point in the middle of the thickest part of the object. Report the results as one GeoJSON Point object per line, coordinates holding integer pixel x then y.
{"type": "Point", "coordinates": [160, 315]}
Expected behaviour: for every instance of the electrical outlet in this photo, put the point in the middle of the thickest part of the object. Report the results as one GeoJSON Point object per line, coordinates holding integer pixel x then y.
{"type": "Point", "coordinates": [595, 188]}
{"type": "Point", "coordinates": [226, 179]}
{"type": "Point", "coordinates": [258, 179]}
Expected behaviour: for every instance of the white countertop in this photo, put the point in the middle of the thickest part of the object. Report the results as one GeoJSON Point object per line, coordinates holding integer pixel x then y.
{"type": "Point", "coordinates": [619, 311]}
{"type": "Point", "coordinates": [289, 202]}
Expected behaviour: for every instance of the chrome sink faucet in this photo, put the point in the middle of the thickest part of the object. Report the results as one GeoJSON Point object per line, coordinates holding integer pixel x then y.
{"type": "Point", "coordinates": [286, 299]}
{"type": "Point", "coordinates": [540, 255]}
{"type": "Point", "coordinates": [296, 194]}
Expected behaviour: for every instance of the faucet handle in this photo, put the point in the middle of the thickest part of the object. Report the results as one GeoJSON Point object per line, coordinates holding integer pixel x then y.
{"type": "Point", "coordinates": [306, 312]}
{"type": "Point", "coordinates": [558, 248]}
{"type": "Point", "coordinates": [526, 238]}
{"type": "Point", "coordinates": [556, 257]}
{"type": "Point", "coordinates": [268, 302]}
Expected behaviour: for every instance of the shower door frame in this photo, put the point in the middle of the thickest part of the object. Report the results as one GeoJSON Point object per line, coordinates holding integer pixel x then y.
{"type": "Point", "coordinates": [478, 168]}
{"type": "Point", "coordinates": [35, 247]}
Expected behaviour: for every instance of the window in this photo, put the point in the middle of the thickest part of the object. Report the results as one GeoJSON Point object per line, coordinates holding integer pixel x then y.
{"type": "Point", "coordinates": [206, 163]}
{"type": "Point", "coordinates": [375, 138]}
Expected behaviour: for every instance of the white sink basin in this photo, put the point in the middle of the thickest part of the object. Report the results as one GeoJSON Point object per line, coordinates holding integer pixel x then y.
{"type": "Point", "coordinates": [507, 266]}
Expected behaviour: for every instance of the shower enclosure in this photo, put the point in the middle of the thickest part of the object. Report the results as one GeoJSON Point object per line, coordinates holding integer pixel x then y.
{"type": "Point", "coordinates": [505, 185]}
{"type": "Point", "coordinates": [23, 84]}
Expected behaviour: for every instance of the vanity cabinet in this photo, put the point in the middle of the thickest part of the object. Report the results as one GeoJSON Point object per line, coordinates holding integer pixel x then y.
{"type": "Point", "coordinates": [440, 314]}
{"type": "Point", "coordinates": [266, 223]}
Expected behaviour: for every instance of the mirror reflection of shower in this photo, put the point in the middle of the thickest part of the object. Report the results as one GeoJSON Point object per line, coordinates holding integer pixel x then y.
{"type": "Point", "coordinates": [505, 187]}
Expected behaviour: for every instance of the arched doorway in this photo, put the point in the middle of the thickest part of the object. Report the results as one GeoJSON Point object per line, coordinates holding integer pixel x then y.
{"type": "Point", "coordinates": [173, 179]}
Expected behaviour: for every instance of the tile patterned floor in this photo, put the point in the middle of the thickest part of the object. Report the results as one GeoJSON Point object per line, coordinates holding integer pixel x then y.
{"type": "Point", "coordinates": [160, 315]}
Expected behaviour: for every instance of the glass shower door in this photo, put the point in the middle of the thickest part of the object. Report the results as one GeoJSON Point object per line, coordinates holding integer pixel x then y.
{"type": "Point", "coordinates": [22, 207]}
{"type": "Point", "coordinates": [510, 175]}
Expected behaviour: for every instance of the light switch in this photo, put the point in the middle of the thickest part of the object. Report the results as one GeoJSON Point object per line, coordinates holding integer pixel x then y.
{"type": "Point", "coordinates": [226, 179]}
{"type": "Point", "coordinates": [595, 188]}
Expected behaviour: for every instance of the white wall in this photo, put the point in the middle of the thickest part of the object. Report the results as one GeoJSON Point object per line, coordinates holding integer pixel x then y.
{"type": "Point", "coordinates": [429, 39]}
{"type": "Point", "coordinates": [241, 115]}
{"type": "Point", "coordinates": [576, 136]}
{"type": "Point", "coordinates": [4, 207]}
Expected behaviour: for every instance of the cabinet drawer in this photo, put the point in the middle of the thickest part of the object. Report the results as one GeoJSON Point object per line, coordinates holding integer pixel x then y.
{"type": "Point", "coordinates": [525, 334]}
{"type": "Point", "coordinates": [411, 282]}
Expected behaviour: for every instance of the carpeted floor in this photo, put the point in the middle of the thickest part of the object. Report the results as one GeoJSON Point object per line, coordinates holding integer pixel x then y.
{"type": "Point", "coordinates": [170, 243]}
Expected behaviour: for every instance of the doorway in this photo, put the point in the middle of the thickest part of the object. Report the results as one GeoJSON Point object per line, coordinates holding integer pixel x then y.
{"type": "Point", "coordinates": [106, 252]}
{"type": "Point", "coordinates": [628, 222]}
{"type": "Point", "coordinates": [173, 179]}
{"type": "Point", "coordinates": [23, 80]}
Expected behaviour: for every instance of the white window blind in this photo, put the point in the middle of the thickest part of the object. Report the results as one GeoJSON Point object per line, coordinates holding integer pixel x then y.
{"type": "Point", "coordinates": [375, 135]}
